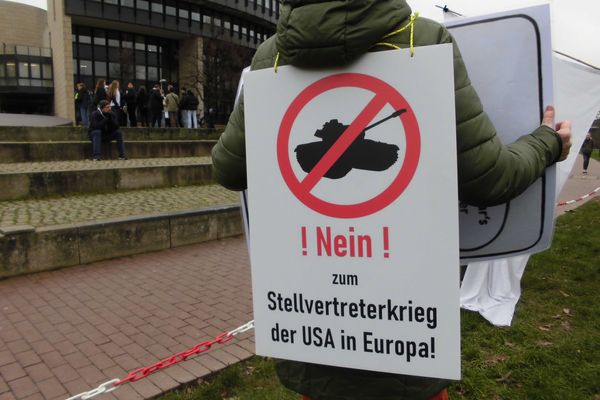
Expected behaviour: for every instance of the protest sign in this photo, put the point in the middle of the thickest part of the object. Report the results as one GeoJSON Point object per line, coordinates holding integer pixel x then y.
{"type": "Point", "coordinates": [354, 252]}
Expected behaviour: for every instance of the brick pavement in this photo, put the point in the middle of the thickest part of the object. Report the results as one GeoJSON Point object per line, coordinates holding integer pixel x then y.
{"type": "Point", "coordinates": [97, 207]}
{"type": "Point", "coordinates": [65, 332]}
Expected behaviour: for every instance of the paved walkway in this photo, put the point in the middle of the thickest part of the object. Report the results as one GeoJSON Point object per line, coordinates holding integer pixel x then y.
{"type": "Point", "coordinates": [579, 185]}
{"type": "Point", "coordinates": [98, 207]}
{"type": "Point", "coordinates": [65, 332]}
{"type": "Point", "coordinates": [31, 120]}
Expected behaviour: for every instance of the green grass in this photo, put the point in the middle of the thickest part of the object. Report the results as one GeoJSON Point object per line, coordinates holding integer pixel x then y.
{"type": "Point", "coordinates": [552, 351]}
{"type": "Point", "coordinates": [596, 154]}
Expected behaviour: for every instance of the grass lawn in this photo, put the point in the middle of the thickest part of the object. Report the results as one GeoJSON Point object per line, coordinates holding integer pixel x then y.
{"type": "Point", "coordinates": [596, 154]}
{"type": "Point", "coordinates": [552, 351]}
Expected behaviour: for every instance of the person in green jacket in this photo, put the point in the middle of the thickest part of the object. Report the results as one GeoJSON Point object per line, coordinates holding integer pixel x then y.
{"type": "Point", "coordinates": [328, 33]}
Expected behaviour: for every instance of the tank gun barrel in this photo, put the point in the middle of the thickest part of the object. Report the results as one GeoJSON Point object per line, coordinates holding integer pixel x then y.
{"type": "Point", "coordinates": [381, 121]}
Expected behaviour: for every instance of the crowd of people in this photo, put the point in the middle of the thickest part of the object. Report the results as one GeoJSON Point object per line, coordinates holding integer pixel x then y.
{"type": "Point", "coordinates": [139, 107]}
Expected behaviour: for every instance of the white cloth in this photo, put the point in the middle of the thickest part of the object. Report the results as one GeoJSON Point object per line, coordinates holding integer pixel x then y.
{"type": "Point", "coordinates": [493, 288]}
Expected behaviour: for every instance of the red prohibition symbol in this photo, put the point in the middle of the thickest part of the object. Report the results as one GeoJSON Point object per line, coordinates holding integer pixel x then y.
{"type": "Point", "coordinates": [384, 94]}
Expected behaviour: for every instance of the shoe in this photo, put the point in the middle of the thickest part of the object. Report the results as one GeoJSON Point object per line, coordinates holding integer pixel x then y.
{"type": "Point", "coordinates": [585, 172]}
{"type": "Point", "coordinates": [123, 158]}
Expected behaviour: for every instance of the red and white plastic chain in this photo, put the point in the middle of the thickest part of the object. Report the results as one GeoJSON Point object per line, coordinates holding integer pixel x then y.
{"type": "Point", "coordinates": [141, 373]}
{"type": "Point", "coordinates": [593, 192]}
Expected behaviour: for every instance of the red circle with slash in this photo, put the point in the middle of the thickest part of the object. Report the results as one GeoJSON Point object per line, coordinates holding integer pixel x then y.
{"type": "Point", "coordinates": [384, 94]}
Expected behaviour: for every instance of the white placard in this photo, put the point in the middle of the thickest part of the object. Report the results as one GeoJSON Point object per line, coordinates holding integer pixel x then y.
{"type": "Point", "coordinates": [510, 66]}
{"type": "Point", "coordinates": [354, 257]}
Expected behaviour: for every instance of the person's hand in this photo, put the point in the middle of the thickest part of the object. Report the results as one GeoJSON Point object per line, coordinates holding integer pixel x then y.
{"type": "Point", "coordinates": [563, 128]}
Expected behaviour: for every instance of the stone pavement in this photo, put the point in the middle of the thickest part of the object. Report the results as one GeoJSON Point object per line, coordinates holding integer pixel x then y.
{"type": "Point", "coordinates": [67, 331]}
{"type": "Point", "coordinates": [579, 185]}
{"type": "Point", "coordinates": [79, 165]}
{"type": "Point", "coordinates": [98, 207]}
{"type": "Point", "coordinates": [31, 120]}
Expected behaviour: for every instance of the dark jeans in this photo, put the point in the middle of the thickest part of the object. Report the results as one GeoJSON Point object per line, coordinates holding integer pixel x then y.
{"type": "Point", "coordinates": [156, 118]}
{"type": "Point", "coordinates": [131, 114]}
{"type": "Point", "coordinates": [586, 161]}
{"type": "Point", "coordinates": [83, 113]}
{"type": "Point", "coordinates": [97, 138]}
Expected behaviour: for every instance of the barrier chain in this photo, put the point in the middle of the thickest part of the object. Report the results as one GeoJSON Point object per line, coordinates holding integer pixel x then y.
{"type": "Point", "coordinates": [143, 372]}
{"type": "Point", "coordinates": [564, 203]}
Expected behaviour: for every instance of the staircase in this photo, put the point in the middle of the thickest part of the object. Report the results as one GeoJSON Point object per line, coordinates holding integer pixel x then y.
{"type": "Point", "coordinates": [59, 208]}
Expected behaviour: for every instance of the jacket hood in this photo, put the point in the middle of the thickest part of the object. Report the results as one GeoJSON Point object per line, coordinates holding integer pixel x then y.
{"type": "Point", "coordinates": [326, 33]}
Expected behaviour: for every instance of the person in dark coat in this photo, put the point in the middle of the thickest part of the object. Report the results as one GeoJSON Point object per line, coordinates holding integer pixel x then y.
{"type": "Point", "coordinates": [189, 106]}
{"type": "Point", "coordinates": [83, 100]}
{"type": "Point", "coordinates": [586, 150]}
{"type": "Point", "coordinates": [156, 105]}
{"type": "Point", "coordinates": [104, 127]}
{"type": "Point", "coordinates": [142, 105]}
{"type": "Point", "coordinates": [99, 92]}
{"type": "Point", "coordinates": [131, 104]}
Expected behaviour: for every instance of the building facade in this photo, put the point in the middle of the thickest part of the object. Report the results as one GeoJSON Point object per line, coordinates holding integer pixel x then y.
{"type": "Point", "coordinates": [26, 76]}
{"type": "Point", "coordinates": [198, 44]}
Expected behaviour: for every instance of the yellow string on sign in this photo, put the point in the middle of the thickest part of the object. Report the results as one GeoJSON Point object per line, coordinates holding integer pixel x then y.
{"type": "Point", "coordinates": [411, 25]}
{"type": "Point", "coordinates": [276, 62]}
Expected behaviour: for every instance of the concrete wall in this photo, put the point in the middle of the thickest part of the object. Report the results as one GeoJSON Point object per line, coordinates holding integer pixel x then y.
{"type": "Point", "coordinates": [22, 24]}
{"type": "Point", "coordinates": [191, 67]}
{"type": "Point", "coordinates": [59, 26]}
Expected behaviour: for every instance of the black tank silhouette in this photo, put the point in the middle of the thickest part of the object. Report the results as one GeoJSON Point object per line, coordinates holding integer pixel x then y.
{"type": "Point", "coordinates": [361, 154]}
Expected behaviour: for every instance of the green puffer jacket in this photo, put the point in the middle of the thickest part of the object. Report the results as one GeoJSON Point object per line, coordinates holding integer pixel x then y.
{"type": "Point", "coordinates": [320, 33]}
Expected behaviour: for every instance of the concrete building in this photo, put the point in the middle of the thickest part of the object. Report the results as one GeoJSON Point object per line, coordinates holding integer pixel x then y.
{"type": "Point", "coordinates": [197, 44]}
{"type": "Point", "coordinates": [26, 78]}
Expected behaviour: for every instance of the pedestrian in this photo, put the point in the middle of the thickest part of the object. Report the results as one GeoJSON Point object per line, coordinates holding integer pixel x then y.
{"type": "Point", "coordinates": [189, 104]}
{"type": "Point", "coordinates": [586, 150]}
{"type": "Point", "coordinates": [142, 105]}
{"type": "Point", "coordinates": [210, 118]}
{"type": "Point", "coordinates": [113, 94]}
{"type": "Point", "coordinates": [83, 100]}
{"type": "Point", "coordinates": [156, 105]}
{"type": "Point", "coordinates": [489, 172]}
{"type": "Point", "coordinates": [99, 92]}
{"type": "Point", "coordinates": [104, 127]}
{"type": "Point", "coordinates": [172, 104]}
{"type": "Point", "coordinates": [131, 104]}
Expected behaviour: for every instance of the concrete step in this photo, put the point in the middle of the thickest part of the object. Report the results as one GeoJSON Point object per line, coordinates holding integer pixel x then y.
{"type": "Point", "coordinates": [37, 235]}
{"type": "Point", "coordinates": [77, 133]}
{"type": "Point", "coordinates": [16, 152]}
{"type": "Point", "coordinates": [46, 179]}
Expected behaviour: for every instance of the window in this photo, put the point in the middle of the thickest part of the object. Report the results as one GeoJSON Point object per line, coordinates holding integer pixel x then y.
{"type": "Point", "coordinates": [127, 44]}
{"type": "Point", "coordinates": [112, 2]}
{"type": "Point", "coordinates": [85, 67]}
{"type": "Point", "coordinates": [206, 19]}
{"type": "Point", "coordinates": [236, 28]}
{"type": "Point", "coordinates": [36, 71]}
{"type": "Point", "coordinates": [157, 8]}
{"type": "Point", "coordinates": [2, 71]}
{"type": "Point", "coordinates": [22, 50]}
{"type": "Point", "coordinates": [114, 70]}
{"type": "Point", "coordinates": [152, 48]}
{"type": "Point", "coordinates": [152, 73]}
{"type": "Point", "coordinates": [100, 41]}
{"type": "Point", "coordinates": [46, 52]}
{"type": "Point", "coordinates": [127, 3]}
{"type": "Point", "coordinates": [85, 39]}
{"type": "Point", "coordinates": [113, 42]}
{"type": "Point", "coordinates": [195, 16]}
{"type": "Point", "coordinates": [140, 72]}
{"type": "Point", "coordinates": [23, 70]}
{"type": "Point", "coordinates": [185, 14]}
{"type": "Point", "coordinates": [217, 22]}
{"type": "Point", "coordinates": [47, 71]}
{"type": "Point", "coordinates": [143, 5]}
{"type": "Point", "coordinates": [99, 68]}
{"type": "Point", "coordinates": [35, 51]}
{"type": "Point", "coordinates": [172, 11]}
